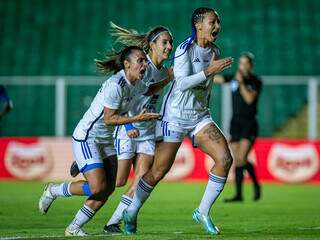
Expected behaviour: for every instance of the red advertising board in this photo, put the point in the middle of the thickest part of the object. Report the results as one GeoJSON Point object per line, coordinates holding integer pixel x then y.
{"type": "Point", "coordinates": [287, 161]}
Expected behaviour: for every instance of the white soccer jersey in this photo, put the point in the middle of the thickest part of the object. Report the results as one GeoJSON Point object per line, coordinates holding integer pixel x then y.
{"type": "Point", "coordinates": [116, 93]}
{"type": "Point", "coordinates": [185, 105]}
{"type": "Point", "coordinates": [146, 129]}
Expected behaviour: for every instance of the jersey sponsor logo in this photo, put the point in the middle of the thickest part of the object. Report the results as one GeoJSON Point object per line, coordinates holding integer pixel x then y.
{"type": "Point", "coordinates": [293, 163]}
{"type": "Point", "coordinates": [184, 163]}
{"type": "Point", "coordinates": [196, 60]}
{"type": "Point", "coordinates": [28, 161]}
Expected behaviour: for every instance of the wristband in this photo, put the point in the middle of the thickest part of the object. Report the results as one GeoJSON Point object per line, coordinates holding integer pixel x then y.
{"type": "Point", "coordinates": [129, 126]}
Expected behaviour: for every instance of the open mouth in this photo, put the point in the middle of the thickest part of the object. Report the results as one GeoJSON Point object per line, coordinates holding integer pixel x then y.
{"type": "Point", "coordinates": [214, 34]}
{"type": "Point", "coordinates": [142, 71]}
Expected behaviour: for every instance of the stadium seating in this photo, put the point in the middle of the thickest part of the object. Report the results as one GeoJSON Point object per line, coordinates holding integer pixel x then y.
{"type": "Point", "coordinates": [58, 37]}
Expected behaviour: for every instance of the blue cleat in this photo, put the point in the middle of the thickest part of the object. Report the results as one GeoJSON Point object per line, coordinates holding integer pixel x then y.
{"type": "Point", "coordinates": [130, 223]}
{"type": "Point", "coordinates": [206, 222]}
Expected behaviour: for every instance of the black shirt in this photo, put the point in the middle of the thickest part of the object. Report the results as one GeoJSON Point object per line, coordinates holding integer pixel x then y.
{"type": "Point", "coordinates": [240, 107]}
{"type": "Point", "coordinates": [3, 94]}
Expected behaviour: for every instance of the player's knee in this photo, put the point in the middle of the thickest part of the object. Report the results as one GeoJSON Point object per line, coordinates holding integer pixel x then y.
{"type": "Point", "coordinates": [159, 173]}
{"type": "Point", "coordinates": [99, 189]}
{"type": "Point", "coordinates": [224, 160]}
{"type": "Point", "coordinates": [121, 182]}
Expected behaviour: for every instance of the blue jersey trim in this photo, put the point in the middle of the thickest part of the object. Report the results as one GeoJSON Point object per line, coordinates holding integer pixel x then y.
{"type": "Point", "coordinates": [91, 126]}
{"type": "Point", "coordinates": [166, 100]}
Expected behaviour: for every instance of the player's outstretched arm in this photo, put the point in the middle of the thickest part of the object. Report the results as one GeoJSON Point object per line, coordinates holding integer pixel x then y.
{"type": "Point", "coordinates": [111, 117]}
{"type": "Point", "coordinates": [154, 88]}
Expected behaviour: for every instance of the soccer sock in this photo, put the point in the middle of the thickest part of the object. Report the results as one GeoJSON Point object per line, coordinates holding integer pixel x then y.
{"type": "Point", "coordinates": [249, 167]}
{"type": "Point", "coordinates": [61, 189]}
{"type": "Point", "coordinates": [117, 215]}
{"type": "Point", "coordinates": [82, 217]}
{"type": "Point", "coordinates": [141, 194]}
{"type": "Point", "coordinates": [214, 188]}
{"type": "Point", "coordinates": [239, 179]}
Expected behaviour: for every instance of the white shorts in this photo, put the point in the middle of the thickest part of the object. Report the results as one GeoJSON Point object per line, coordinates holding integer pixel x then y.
{"type": "Point", "coordinates": [128, 148]}
{"type": "Point", "coordinates": [170, 132]}
{"type": "Point", "coordinates": [89, 154]}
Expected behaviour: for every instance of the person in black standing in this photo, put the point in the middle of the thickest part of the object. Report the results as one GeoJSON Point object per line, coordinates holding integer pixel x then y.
{"type": "Point", "coordinates": [245, 88]}
{"type": "Point", "coordinates": [5, 105]}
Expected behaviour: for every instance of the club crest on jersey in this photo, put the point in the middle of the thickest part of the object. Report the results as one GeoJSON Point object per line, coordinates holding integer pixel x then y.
{"type": "Point", "coordinates": [196, 60]}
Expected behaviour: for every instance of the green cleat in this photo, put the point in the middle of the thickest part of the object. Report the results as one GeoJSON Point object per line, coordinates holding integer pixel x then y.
{"type": "Point", "coordinates": [206, 222]}
{"type": "Point", "coordinates": [130, 223]}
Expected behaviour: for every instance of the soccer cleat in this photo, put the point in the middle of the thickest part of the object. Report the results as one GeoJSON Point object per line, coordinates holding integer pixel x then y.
{"type": "Point", "coordinates": [206, 222]}
{"type": "Point", "coordinates": [75, 232]}
{"type": "Point", "coordinates": [74, 170]}
{"type": "Point", "coordinates": [130, 223]}
{"type": "Point", "coordinates": [46, 199]}
{"type": "Point", "coordinates": [112, 229]}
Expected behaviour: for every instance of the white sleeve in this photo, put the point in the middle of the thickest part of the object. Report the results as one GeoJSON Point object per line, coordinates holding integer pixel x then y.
{"type": "Point", "coordinates": [182, 70]}
{"type": "Point", "coordinates": [112, 95]}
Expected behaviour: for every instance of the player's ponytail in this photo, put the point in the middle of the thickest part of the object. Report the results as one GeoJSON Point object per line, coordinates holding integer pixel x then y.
{"type": "Point", "coordinates": [114, 61]}
{"type": "Point", "coordinates": [132, 37]}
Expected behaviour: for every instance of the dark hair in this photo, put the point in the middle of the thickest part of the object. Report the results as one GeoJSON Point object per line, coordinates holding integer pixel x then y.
{"type": "Point", "coordinates": [197, 16]}
{"type": "Point", "coordinates": [249, 56]}
{"type": "Point", "coordinates": [132, 37]}
{"type": "Point", "coordinates": [114, 61]}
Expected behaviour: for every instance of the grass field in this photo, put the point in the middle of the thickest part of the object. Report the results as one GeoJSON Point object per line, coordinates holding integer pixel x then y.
{"type": "Point", "coordinates": [285, 212]}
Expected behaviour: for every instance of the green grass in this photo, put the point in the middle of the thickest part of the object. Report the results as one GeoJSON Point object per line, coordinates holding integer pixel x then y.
{"type": "Point", "coordinates": [285, 212]}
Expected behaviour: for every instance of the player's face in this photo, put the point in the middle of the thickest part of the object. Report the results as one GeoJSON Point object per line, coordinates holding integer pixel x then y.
{"type": "Point", "coordinates": [210, 26]}
{"type": "Point", "coordinates": [244, 65]}
{"type": "Point", "coordinates": [136, 66]}
{"type": "Point", "coordinates": [162, 47]}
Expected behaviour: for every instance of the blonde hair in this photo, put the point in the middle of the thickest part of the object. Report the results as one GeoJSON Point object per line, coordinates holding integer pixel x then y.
{"type": "Point", "coordinates": [132, 37]}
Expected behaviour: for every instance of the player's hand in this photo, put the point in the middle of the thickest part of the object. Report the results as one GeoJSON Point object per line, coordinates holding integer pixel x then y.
{"type": "Point", "coordinates": [239, 77]}
{"type": "Point", "coordinates": [146, 116]}
{"type": "Point", "coordinates": [133, 133]}
{"type": "Point", "coordinates": [217, 66]}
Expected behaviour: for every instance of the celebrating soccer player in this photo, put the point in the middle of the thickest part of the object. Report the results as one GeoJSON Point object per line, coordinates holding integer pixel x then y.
{"type": "Point", "coordinates": [92, 138]}
{"type": "Point", "coordinates": [135, 143]}
{"type": "Point", "coordinates": [185, 113]}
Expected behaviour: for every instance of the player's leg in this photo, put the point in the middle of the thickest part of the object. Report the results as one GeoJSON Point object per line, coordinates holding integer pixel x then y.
{"type": "Point", "coordinates": [164, 157]}
{"type": "Point", "coordinates": [124, 167]}
{"type": "Point", "coordinates": [85, 156]}
{"type": "Point", "coordinates": [143, 163]}
{"type": "Point", "coordinates": [209, 138]}
{"type": "Point", "coordinates": [166, 149]}
{"type": "Point", "coordinates": [126, 157]}
{"type": "Point", "coordinates": [101, 184]}
{"type": "Point", "coordinates": [97, 191]}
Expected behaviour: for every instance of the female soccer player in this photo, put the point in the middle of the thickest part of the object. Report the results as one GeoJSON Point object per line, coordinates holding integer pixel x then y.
{"type": "Point", "coordinates": [136, 143]}
{"type": "Point", "coordinates": [185, 113]}
{"type": "Point", "coordinates": [245, 88]}
{"type": "Point", "coordinates": [92, 139]}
